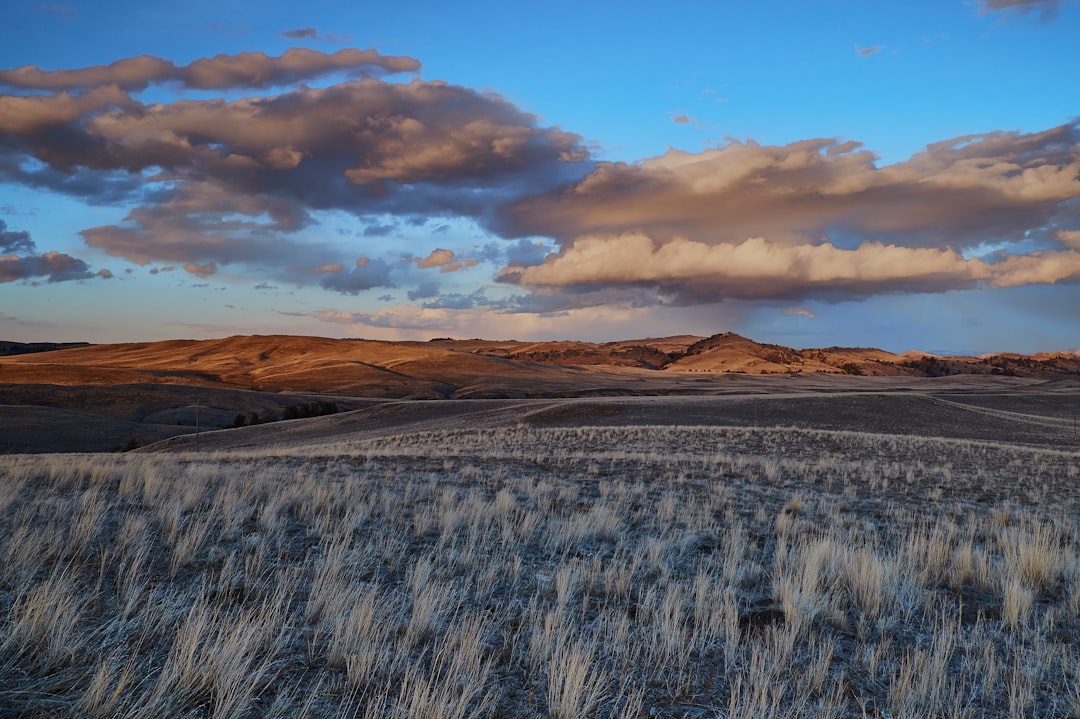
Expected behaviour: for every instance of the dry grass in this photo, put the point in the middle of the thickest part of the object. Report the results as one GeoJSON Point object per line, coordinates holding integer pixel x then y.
{"type": "Point", "coordinates": [615, 572]}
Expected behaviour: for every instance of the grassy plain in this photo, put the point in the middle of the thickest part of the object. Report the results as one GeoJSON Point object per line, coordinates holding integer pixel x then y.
{"type": "Point", "coordinates": [539, 569]}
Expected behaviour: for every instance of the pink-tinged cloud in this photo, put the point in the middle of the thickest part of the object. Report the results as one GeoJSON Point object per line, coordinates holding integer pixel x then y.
{"type": "Point", "coordinates": [963, 192]}
{"type": "Point", "coordinates": [200, 270]}
{"type": "Point", "coordinates": [1069, 238]}
{"type": "Point", "coordinates": [696, 272]}
{"type": "Point", "coordinates": [437, 258]}
{"type": "Point", "coordinates": [233, 180]}
{"type": "Point", "coordinates": [1046, 6]}
{"type": "Point", "coordinates": [246, 69]}
{"type": "Point", "coordinates": [258, 70]}
{"type": "Point", "coordinates": [60, 10]}
{"type": "Point", "coordinates": [37, 113]}
{"type": "Point", "coordinates": [868, 51]}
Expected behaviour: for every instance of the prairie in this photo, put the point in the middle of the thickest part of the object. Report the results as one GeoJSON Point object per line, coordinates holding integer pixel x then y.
{"type": "Point", "coordinates": [546, 564]}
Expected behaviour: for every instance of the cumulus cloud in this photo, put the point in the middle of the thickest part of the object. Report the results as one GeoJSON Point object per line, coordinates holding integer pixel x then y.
{"type": "Point", "coordinates": [1069, 238]}
{"type": "Point", "coordinates": [216, 181]}
{"type": "Point", "coordinates": [53, 266]}
{"type": "Point", "coordinates": [695, 272]}
{"type": "Point", "coordinates": [965, 191]}
{"type": "Point", "coordinates": [19, 260]}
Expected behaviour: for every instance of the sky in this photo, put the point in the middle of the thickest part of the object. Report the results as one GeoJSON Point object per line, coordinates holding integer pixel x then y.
{"type": "Point", "coordinates": [895, 175]}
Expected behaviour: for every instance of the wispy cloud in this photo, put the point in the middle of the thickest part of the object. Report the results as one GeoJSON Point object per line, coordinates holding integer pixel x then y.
{"type": "Point", "coordinates": [60, 10]}
{"type": "Point", "coordinates": [1048, 8]}
{"type": "Point", "coordinates": [868, 51]}
{"type": "Point", "coordinates": [242, 70]}
{"type": "Point", "coordinates": [799, 312]}
{"type": "Point", "coordinates": [301, 33]}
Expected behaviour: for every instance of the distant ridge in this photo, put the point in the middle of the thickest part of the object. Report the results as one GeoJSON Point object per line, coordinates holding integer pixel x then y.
{"type": "Point", "coordinates": [477, 368]}
{"type": "Point", "coordinates": [23, 348]}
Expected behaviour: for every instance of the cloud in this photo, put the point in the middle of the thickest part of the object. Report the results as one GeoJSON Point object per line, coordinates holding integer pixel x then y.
{"type": "Point", "coordinates": [53, 266]}
{"type": "Point", "coordinates": [367, 273]}
{"type": "Point", "coordinates": [60, 10]}
{"type": "Point", "coordinates": [14, 242]}
{"type": "Point", "coordinates": [232, 181]}
{"type": "Point", "coordinates": [799, 312]}
{"type": "Point", "coordinates": [424, 290]}
{"type": "Point", "coordinates": [691, 272]}
{"type": "Point", "coordinates": [1048, 7]}
{"type": "Point", "coordinates": [104, 274]}
{"type": "Point", "coordinates": [304, 32]}
{"type": "Point", "coordinates": [200, 270]}
{"type": "Point", "coordinates": [680, 118]}
{"type": "Point", "coordinates": [259, 70]}
{"type": "Point", "coordinates": [1069, 238]}
{"type": "Point", "coordinates": [964, 191]}
{"type": "Point", "coordinates": [242, 70]}
{"type": "Point", "coordinates": [437, 258]}
{"type": "Point", "coordinates": [378, 230]}
{"type": "Point", "coordinates": [868, 51]}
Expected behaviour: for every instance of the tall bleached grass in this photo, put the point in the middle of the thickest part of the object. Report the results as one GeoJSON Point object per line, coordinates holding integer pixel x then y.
{"type": "Point", "coordinates": [616, 572]}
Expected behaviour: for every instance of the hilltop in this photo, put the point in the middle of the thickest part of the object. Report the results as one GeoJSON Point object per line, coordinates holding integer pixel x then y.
{"type": "Point", "coordinates": [110, 396]}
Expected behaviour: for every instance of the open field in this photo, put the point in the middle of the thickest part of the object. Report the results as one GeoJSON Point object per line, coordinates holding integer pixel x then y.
{"type": "Point", "coordinates": [539, 568]}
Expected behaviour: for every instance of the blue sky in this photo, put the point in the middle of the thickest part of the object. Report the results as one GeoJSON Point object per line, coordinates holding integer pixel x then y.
{"type": "Point", "coordinates": [902, 175]}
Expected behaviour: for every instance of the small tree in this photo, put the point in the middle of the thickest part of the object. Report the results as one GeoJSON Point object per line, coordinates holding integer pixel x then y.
{"type": "Point", "coordinates": [240, 421]}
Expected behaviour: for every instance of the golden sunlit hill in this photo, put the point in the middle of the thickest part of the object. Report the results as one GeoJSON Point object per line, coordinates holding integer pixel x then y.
{"type": "Point", "coordinates": [121, 396]}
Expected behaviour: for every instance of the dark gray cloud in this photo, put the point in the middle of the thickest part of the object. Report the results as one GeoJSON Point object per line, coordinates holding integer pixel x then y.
{"type": "Point", "coordinates": [424, 290]}
{"type": "Point", "coordinates": [52, 266]}
{"type": "Point", "coordinates": [367, 273]}
{"type": "Point", "coordinates": [378, 230]}
{"type": "Point", "coordinates": [19, 260]}
{"type": "Point", "coordinates": [14, 242]}
{"type": "Point", "coordinates": [304, 32]}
